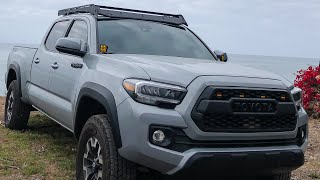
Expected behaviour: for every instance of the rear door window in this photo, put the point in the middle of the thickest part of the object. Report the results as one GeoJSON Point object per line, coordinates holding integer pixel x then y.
{"type": "Point", "coordinates": [58, 31]}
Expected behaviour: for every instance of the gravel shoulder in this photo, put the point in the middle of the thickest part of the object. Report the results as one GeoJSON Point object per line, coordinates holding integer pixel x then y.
{"type": "Point", "coordinates": [311, 168]}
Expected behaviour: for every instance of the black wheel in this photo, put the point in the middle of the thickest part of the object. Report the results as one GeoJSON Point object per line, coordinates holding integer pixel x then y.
{"type": "Point", "coordinates": [97, 157]}
{"type": "Point", "coordinates": [16, 112]}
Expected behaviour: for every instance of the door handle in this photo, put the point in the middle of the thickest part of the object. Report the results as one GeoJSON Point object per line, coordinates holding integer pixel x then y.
{"type": "Point", "coordinates": [37, 60]}
{"type": "Point", "coordinates": [76, 65]}
{"type": "Point", "coordinates": [55, 66]}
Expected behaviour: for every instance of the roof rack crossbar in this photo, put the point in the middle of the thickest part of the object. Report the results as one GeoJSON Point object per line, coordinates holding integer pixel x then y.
{"type": "Point", "coordinates": [114, 12]}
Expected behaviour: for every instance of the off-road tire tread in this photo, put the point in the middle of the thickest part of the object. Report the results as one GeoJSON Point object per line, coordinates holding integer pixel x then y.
{"type": "Point", "coordinates": [284, 176]}
{"type": "Point", "coordinates": [120, 168]}
{"type": "Point", "coordinates": [21, 111]}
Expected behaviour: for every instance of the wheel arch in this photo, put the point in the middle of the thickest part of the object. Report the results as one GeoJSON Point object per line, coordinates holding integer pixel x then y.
{"type": "Point", "coordinates": [103, 97]}
{"type": "Point", "coordinates": [13, 74]}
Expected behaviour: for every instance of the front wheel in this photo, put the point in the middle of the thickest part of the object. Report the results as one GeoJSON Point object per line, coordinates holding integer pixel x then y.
{"type": "Point", "coordinates": [284, 176]}
{"type": "Point", "coordinates": [16, 112]}
{"type": "Point", "coordinates": [98, 157]}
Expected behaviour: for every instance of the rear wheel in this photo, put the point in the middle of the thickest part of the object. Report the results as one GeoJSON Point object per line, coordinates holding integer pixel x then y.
{"type": "Point", "coordinates": [16, 112]}
{"type": "Point", "coordinates": [98, 157]}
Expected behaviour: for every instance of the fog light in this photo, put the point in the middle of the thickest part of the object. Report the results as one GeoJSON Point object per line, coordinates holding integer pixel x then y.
{"type": "Point", "coordinates": [158, 136]}
{"type": "Point", "coordinates": [303, 134]}
{"type": "Point", "coordinates": [161, 136]}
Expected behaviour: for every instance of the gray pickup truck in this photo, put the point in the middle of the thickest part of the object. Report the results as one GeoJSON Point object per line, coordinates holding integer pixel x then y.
{"type": "Point", "coordinates": [144, 95]}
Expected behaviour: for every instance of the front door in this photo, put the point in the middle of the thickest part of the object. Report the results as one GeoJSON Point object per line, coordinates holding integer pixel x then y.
{"type": "Point", "coordinates": [64, 78]}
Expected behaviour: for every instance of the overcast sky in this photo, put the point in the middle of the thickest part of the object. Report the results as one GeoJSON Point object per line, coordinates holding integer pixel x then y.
{"type": "Point", "coordinates": [261, 27]}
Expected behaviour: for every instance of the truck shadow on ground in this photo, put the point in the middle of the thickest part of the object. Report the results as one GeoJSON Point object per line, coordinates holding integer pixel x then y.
{"type": "Point", "coordinates": [40, 124]}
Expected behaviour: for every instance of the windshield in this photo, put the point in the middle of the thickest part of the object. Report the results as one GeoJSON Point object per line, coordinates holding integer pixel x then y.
{"type": "Point", "coordinates": [150, 38]}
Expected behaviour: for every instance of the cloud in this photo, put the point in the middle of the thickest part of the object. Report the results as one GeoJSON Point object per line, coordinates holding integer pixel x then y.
{"type": "Point", "coordinates": [286, 28]}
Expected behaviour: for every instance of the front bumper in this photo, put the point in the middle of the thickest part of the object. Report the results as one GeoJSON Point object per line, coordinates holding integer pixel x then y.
{"type": "Point", "coordinates": [205, 164]}
{"type": "Point", "coordinates": [136, 147]}
{"type": "Point", "coordinates": [135, 120]}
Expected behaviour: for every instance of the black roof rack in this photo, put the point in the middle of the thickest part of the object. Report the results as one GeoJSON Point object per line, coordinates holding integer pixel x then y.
{"type": "Point", "coordinates": [115, 12]}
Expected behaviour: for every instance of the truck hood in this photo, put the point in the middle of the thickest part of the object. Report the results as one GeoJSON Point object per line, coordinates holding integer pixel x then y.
{"type": "Point", "coordinates": [182, 71]}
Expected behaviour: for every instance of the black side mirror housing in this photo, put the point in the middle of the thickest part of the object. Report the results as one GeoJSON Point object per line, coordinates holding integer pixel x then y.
{"type": "Point", "coordinates": [73, 46]}
{"type": "Point", "coordinates": [222, 56]}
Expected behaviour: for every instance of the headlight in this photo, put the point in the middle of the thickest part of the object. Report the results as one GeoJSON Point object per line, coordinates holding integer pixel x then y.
{"type": "Point", "coordinates": [297, 97]}
{"type": "Point", "coordinates": [154, 93]}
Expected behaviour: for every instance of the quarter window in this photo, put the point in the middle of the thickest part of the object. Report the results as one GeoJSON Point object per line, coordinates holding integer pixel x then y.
{"type": "Point", "coordinates": [79, 30]}
{"type": "Point", "coordinates": [58, 31]}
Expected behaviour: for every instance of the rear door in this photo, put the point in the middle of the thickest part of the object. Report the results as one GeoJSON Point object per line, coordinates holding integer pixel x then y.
{"type": "Point", "coordinates": [64, 79]}
{"type": "Point", "coordinates": [41, 67]}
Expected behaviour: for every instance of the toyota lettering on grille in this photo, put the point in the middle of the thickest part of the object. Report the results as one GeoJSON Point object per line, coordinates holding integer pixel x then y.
{"type": "Point", "coordinates": [254, 106]}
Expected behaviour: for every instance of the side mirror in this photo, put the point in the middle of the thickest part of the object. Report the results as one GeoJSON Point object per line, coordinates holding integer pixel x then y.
{"type": "Point", "coordinates": [222, 56]}
{"type": "Point", "coordinates": [72, 46]}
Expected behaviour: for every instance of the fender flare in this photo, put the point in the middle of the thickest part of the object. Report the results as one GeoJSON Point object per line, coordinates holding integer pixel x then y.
{"type": "Point", "coordinates": [14, 66]}
{"type": "Point", "coordinates": [105, 98]}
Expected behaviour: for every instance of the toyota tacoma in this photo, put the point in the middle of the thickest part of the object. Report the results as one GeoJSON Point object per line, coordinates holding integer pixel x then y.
{"type": "Point", "coordinates": [143, 93]}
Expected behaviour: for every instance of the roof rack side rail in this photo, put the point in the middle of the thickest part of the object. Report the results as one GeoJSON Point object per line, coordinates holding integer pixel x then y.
{"type": "Point", "coordinates": [90, 8]}
{"type": "Point", "coordinates": [114, 12]}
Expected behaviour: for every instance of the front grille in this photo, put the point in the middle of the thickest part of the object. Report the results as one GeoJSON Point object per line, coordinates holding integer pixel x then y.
{"type": "Point", "coordinates": [248, 123]}
{"type": "Point", "coordinates": [244, 111]}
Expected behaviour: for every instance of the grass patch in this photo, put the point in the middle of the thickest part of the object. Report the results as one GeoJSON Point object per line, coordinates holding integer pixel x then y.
{"type": "Point", "coordinates": [46, 150]}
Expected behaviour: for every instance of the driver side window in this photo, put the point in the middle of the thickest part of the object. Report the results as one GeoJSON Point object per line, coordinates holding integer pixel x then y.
{"type": "Point", "coordinates": [79, 30]}
{"type": "Point", "coordinates": [58, 31]}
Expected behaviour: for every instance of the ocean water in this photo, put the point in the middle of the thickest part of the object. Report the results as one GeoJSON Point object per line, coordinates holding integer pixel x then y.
{"type": "Point", "coordinates": [284, 66]}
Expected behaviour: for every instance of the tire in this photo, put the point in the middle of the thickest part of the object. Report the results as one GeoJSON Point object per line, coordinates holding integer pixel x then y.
{"type": "Point", "coordinates": [97, 136]}
{"type": "Point", "coordinates": [16, 112]}
{"type": "Point", "coordinates": [285, 176]}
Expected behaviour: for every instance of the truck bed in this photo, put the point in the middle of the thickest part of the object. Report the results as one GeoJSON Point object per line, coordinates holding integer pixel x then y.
{"type": "Point", "coordinates": [21, 58]}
